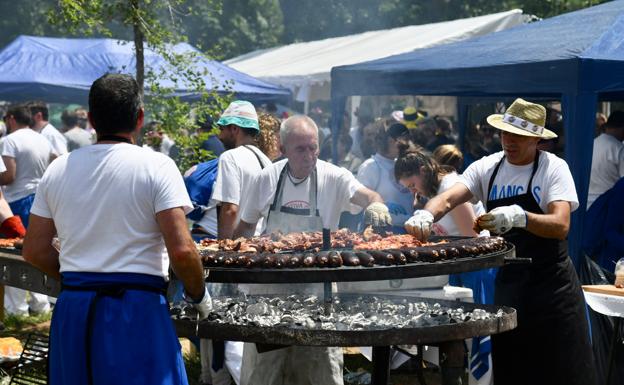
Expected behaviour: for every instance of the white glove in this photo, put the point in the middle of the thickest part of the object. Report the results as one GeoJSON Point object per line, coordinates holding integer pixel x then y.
{"type": "Point", "coordinates": [502, 219]}
{"type": "Point", "coordinates": [203, 307]}
{"type": "Point", "coordinates": [377, 215]}
{"type": "Point", "coordinates": [419, 225]}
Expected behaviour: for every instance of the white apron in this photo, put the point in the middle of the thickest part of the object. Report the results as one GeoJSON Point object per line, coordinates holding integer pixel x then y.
{"type": "Point", "coordinates": [294, 365]}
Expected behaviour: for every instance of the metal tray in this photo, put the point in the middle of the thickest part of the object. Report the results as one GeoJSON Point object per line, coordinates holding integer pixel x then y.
{"type": "Point", "coordinates": [374, 337]}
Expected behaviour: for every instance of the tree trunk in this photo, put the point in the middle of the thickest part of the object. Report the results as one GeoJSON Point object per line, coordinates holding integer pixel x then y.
{"type": "Point", "coordinates": [138, 46]}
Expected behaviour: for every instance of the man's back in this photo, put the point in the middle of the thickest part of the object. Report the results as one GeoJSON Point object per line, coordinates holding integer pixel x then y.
{"type": "Point", "coordinates": [607, 166]}
{"type": "Point", "coordinates": [56, 139]}
{"type": "Point", "coordinates": [32, 154]}
{"type": "Point", "coordinates": [77, 137]}
{"type": "Point", "coordinates": [237, 169]}
{"type": "Point", "coordinates": [126, 185]}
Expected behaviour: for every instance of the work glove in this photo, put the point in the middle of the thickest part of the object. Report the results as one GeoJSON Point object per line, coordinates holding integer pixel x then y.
{"type": "Point", "coordinates": [377, 215]}
{"type": "Point", "coordinates": [419, 225]}
{"type": "Point", "coordinates": [203, 307]}
{"type": "Point", "coordinates": [13, 228]}
{"type": "Point", "coordinates": [502, 219]}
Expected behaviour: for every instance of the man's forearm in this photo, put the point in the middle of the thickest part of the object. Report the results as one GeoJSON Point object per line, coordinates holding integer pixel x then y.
{"type": "Point", "coordinates": [548, 225]}
{"type": "Point", "coordinates": [43, 258]}
{"type": "Point", "coordinates": [227, 220]}
{"type": "Point", "coordinates": [245, 229]}
{"type": "Point", "coordinates": [188, 268]}
{"type": "Point", "coordinates": [364, 197]}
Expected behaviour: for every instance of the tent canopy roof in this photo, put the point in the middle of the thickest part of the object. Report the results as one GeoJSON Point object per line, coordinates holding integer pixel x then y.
{"type": "Point", "coordinates": [59, 69]}
{"type": "Point", "coordinates": [545, 57]}
{"type": "Point", "coordinates": [311, 62]}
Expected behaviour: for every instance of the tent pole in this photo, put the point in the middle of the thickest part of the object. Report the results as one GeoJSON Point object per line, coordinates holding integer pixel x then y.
{"type": "Point", "coordinates": [338, 108]}
{"type": "Point", "coordinates": [462, 122]}
{"type": "Point", "coordinates": [579, 112]}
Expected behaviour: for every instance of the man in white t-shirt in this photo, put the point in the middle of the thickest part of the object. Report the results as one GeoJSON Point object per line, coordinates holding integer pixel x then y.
{"type": "Point", "coordinates": [39, 111]}
{"type": "Point", "coordinates": [119, 212]}
{"type": "Point", "coordinates": [26, 154]}
{"type": "Point", "coordinates": [238, 166]}
{"type": "Point", "coordinates": [76, 136]}
{"type": "Point", "coordinates": [607, 158]}
{"type": "Point", "coordinates": [529, 195]}
{"type": "Point", "coordinates": [301, 193]}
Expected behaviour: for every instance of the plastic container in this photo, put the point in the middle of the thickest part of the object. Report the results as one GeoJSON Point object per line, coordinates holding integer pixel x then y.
{"type": "Point", "coordinates": [619, 273]}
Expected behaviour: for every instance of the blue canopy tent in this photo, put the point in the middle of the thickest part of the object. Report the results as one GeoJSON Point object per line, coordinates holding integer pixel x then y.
{"type": "Point", "coordinates": [577, 57]}
{"type": "Point", "coordinates": [62, 70]}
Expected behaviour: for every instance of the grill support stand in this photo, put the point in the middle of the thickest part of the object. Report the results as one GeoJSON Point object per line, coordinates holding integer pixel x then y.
{"type": "Point", "coordinates": [381, 365]}
{"type": "Point", "coordinates": [452, 362]}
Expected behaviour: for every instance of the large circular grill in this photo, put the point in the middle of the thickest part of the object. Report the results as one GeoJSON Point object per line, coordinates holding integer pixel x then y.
{"type": "Point", "coordinates": [453, 255]}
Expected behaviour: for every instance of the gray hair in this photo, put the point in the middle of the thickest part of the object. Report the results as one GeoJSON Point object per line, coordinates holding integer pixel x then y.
{"type": "Point", "coordinates": [296, 122]}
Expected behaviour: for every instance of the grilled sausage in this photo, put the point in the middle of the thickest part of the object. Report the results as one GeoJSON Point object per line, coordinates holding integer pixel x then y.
{"type": "Point", "coordinates": [295, 260]}
{"type": "Point", "coordinates": [281, 260]}
{"type": "Point", "coordinates": [269, 261]}
{"type": "Point", "coordinates": [349, 258]}
{"type": "Point", "coordinates": [411, 254]}
{"type": "Point", "coordinates": [243, 260]}
{"type": "Point", "coordinates": [366, 259]}
{"type": "Point", "coordinates": [399, 257]}
{"type": "Point", "coordinates": [256, 260]}
{"type": "Point", "coordinates": [309, 260]}
{"type": "Point", "coordinates": [322, 259]}
{"type": "Point", "coordinates": [428, 254]}
{"type": "Point", "coordinates": [382, 257]}
{"type": "Point", "coordinates": [209, 259]}
{"type": "Point", "coordinates": [334, 259]}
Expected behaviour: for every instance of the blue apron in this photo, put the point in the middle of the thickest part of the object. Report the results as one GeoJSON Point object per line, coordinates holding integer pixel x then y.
{"type": "Point", "coordinates": [21, 208]}
{"type": "Point", "coordinates": [113, 328]}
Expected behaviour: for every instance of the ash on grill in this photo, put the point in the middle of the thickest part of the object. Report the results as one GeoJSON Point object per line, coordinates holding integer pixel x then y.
{"type": "Point", "coordinates": [303, 253]}
{"type": "Point", "coordinates": [307, 312]}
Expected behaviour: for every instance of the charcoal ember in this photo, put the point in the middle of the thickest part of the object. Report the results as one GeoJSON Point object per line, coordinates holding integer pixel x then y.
{"type": "Point", "coordinates": [309, 260]}
{"type": "Point", "coordinates": [322, 259]}
{"type": "Point", "coordinates": [399, 256]}
{"type": "Point", "coordinates": [334, 259]}
{"type": "Point", "coordinates": [365, 258]}
{"type": "Point", "coordinates": [349, 258]}
{"type": "Point", "coordinates": [295, 260]}
{"type": "Point", "coordinates": [382, 257]}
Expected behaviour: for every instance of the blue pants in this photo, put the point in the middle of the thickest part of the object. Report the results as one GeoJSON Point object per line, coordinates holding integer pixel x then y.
{"type": "Point", "coordinates": [132, 337]}
{"type": "Point", "coordinates": [21, 207]}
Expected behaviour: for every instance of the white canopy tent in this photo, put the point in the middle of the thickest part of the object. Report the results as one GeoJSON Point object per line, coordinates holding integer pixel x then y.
{"type": "Point", "coordinates": [305, 67]}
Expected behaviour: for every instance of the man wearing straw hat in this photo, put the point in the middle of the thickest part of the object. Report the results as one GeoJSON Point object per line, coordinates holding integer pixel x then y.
{"type": "Point", "coordinates": [529, 195]}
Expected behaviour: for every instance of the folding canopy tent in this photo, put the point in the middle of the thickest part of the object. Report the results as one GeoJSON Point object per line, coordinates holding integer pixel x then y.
{"type": "Point", "coordinates": [577, 57]}
{"type": "Point", "coordinates": [62, 70]}
{"type": "Point", "coordinates": [305, 67]}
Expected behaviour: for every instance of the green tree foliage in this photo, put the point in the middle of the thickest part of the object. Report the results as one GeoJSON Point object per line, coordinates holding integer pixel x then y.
{"type": "Point", "coordinates": [238, 27]}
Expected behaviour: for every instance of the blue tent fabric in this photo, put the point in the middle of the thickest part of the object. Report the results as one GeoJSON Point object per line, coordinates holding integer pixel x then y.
{"type": "Point", "coordinates": [577, 57]}
{"type": "Point", "coordinates": [603, 237]}
{"type": "Point", "coordinates": [62, 70]}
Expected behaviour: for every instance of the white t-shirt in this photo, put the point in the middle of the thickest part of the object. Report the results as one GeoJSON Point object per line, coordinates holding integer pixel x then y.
{"type": "Point", "coordinates": [552, 182]}
{"type": "Point", "coordinates": [377, 173]}
{"type": "Point", "coordinates": [607, 166]}
{"type": "Point", "coordinates": [237, 169]}
{"type": "Point", "coordinates": [335, 187]}
{"type": "Point", "coordinates": [32, 154]}
{"type": "Point", "coordinates": [56, 139]}
{"type": "Point", "coordinates": [103, 200]}
{"type": "Point", "coordinates": [446, 225]}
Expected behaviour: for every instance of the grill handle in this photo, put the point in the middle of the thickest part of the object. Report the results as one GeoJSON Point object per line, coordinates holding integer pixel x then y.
{"type": "Point", "coordinates": [518, 261]}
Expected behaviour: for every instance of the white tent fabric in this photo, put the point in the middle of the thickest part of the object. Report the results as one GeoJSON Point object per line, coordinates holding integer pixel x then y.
{"type": "Point", "coordinates": [303, 66]}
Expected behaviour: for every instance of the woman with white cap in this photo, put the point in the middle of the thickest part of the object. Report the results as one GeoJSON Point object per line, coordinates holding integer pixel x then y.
{"type": "Point", "coordinates": [529, 195]}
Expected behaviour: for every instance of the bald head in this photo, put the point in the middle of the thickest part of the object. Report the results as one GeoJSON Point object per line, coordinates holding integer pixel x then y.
{"type": "Point", "coordinates": [299, 137]}
{"type": "Point", "coordinates": [297, 124]}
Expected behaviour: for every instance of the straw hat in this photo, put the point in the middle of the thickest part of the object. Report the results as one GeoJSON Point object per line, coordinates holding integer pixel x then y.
{"type": "Point", "coordinates": [523, 118]}
{"type": "Point", "coordinates": [411, 117]}
{"type": "Point", "coordinates": [240, 113]}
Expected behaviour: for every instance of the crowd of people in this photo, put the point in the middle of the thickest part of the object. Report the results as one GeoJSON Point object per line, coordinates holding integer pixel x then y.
{"type": "Point", "coordinates": [119, 212]}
